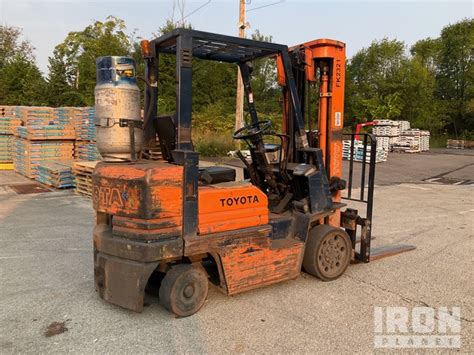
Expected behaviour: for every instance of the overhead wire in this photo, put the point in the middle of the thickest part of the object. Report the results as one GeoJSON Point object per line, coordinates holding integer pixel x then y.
{"type": "Point", "coordinates": [267, 5]}
{"type": "Point", "coordinates": [195, 10]}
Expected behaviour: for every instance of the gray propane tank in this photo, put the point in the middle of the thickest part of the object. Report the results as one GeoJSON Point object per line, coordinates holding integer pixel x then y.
{"type": "Point", "coordinates": [117, 97]}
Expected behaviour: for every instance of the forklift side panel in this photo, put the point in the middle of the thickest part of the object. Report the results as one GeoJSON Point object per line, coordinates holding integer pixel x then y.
{"type": "Point", "coordinates": [249, 257]}
{"type": "Point", "coordinates": [252, 263]}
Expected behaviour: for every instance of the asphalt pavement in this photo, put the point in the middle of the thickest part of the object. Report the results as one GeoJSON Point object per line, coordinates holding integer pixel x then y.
{"type": "Point", "coordinates": [46, 277]}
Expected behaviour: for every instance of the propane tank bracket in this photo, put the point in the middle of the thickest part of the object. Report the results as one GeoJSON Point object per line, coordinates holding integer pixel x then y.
{"type": "Point", "coordinates": [131, 124]}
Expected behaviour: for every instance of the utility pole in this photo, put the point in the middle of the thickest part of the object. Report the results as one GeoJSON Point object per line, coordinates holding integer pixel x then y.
{"type": "Point", "coordinates": [239, 105]}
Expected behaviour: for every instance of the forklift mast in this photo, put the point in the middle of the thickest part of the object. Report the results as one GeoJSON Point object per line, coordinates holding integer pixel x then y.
{"type": "Point", "coordinates": [322, 63]}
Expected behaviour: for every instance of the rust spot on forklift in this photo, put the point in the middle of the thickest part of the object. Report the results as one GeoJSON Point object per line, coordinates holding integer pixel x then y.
{"type": "Point", "coordinates": [251, 250]}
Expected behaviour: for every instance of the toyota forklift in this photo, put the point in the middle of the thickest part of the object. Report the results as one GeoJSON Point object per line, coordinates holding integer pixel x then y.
{"type": "Point", "coordinates": [160, 216]}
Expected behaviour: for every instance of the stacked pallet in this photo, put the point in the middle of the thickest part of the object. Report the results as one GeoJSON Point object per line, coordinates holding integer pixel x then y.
{"type": "Point", "coordinates": [46, 132]}
{"type": "Point", "coordinates": [8, 120]}
{"type": "Point", "coordinates": [459, 144]}
{"type": "Point", "coordinates": [398, 136]}
{"type": "Point", "coordinates": [412, 141]}
{"type": "Point", "coordinates": [27, 154]}
{"type": "Point", "coordinates": [407, 144]}
{"type": "Point", "coordinates": [84, 123]}
{"type": "Point", "coordinates": [425, 141]}
{"type": "Point", "coordinates": [387, 133]}
{"type": "Point", "coordinates": [358, 153]}
{"type": "Point", "coordinates": [44, 136]}
{"type": "Point", "coordinates": [6, 151]}
{"type": "Point", "coordinates": [8, 125]}
{"type": "Point", "coordinates": [383, 142]}
{"type": "Point", "coordinates": [44, 123]}
{"type": "Point", "coordinates": [83, 176]}
{"type": "Point", "coordinates": [85, 148]}
{"type": "Point", "coordinates": [36, 115]}
{"type": "Point", "coordinates": [404, 125]}
{"type": "Point", "coordinates": [56, 174]}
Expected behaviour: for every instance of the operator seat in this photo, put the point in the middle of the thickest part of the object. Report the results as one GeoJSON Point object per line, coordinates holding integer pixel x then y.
{"type": "Point", "coordinates": [216, 174]}
{"type": "Point", "coordinates": [166, 130]}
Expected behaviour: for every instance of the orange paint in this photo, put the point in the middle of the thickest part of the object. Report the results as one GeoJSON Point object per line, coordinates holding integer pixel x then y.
{"type": "Point", "coordinates": [257, 262]}
{"type": "Point", "coordinates": [229, 207]}
{"type": "Point", "coordinates": [144, 197]}
{"type": "Point", "coordinates": [145, 190]}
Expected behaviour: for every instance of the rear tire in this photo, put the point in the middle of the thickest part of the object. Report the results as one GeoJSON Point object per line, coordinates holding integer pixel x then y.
{"type": "Point", "coordinates": [327, 253]}
{"type": "Point", "coordinates": [184, 289]}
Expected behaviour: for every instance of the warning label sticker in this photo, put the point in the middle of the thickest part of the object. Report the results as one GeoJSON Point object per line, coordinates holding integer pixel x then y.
{"type": "Point", "coordinates": [337, 119]}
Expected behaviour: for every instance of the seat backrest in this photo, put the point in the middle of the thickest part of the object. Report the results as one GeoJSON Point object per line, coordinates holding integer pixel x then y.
{"type": "Point", "coordinates": [166, 130]}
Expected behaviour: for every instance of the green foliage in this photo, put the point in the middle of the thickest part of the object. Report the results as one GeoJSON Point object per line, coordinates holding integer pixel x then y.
{"type": "Point", "coordinates": [60, 83]}
{"type": "Point", "coordinates": [79, 51]}
{"type": "Point", "coordinates": [455, 74]}
{"type": "Point", "coordinates": [210, 144]}
{"type": "Point", "coordinates": [427, 52]}
{"type": "Point", "coordinates": [12, 47]}
{"type": "Point", "coordinates": [374, 81]}
{"type": "Point", "coordinates": [264, 81]}
{"type": "Point", "coordinates": [21, 83]}
{"type": "Point", "coordinates": [420, 106]}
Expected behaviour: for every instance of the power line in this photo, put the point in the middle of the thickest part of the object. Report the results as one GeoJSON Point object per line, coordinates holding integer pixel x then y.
{"type": "Point", "coordinates": [195, 10]}
{"type": "Point", "coordinates": [268, 5]}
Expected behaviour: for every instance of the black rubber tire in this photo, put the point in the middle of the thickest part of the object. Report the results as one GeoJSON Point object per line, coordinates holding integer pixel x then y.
{"type": "Point", "coordinates": [183, 290]}
{"type": "Point", "coordinates": [328, 252]}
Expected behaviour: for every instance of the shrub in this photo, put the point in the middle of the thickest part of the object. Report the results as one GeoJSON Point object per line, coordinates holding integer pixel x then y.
{"type": "Point", "coordinates": [213, 144]}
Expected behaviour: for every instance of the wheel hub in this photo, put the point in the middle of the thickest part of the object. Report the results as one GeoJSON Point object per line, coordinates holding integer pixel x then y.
{"type": "Point", "coordinates": [188, 291]}
{"type": "Point", "coordinates": [332, 251]}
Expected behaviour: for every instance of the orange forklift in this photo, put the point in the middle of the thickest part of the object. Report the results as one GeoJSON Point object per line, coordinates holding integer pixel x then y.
{"type": "Point", "coordinates": [161, 216]}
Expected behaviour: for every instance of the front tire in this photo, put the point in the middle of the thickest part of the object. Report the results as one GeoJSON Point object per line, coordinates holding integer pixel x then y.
{"type": "Point", "coordinates": [184, 289]}
{"type": "Point", "coordinates": [327, 253]}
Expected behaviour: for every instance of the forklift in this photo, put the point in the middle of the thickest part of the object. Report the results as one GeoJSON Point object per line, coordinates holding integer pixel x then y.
{"type": "Point", "coordinates": [159, 215]}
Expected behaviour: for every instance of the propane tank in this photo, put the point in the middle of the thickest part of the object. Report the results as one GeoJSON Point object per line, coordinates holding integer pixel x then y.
{"type": "Point", "coordinates": [117, 105]}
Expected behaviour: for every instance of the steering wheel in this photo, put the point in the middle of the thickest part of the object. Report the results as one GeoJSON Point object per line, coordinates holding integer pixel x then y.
{"type": "Point", "coordinates": [252, 130]}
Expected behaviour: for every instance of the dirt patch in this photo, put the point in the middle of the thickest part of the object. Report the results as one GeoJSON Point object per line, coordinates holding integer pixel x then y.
{"type": "Point", "coordinates": [32, 188]}
{"type": "Point", "coordinates": [55, 328]}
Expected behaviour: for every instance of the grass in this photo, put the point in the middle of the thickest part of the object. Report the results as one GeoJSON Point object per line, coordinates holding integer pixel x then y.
{"type": "Point", "coordinates": [213, 144]}
{"type": "Point", "coordinates": [438, 141]}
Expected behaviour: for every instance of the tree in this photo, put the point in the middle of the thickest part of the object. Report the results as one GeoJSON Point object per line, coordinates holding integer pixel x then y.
{"type": "Point", "coordinates": [420, 105]}
{"type": "Point", "coordinates": [455, 75]}
{"type": "Point", "coordinates": [60, 83]}
{"type": "Point", "coordinates": [12, 47]}
{"type": "Point", "coordinates": [374, 81]}
{"type": "Point", "coordinates": [264, 80]}
{"type": "Point", "coordinates": [21, 82]}
{"type": "Point", "coordinates": [427, 51]}
{"type": "Point", "coordinates": [79, 51]}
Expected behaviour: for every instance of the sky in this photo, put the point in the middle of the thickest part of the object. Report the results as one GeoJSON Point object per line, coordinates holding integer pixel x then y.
{"type": "Point", "coordinates": [355, 22]}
